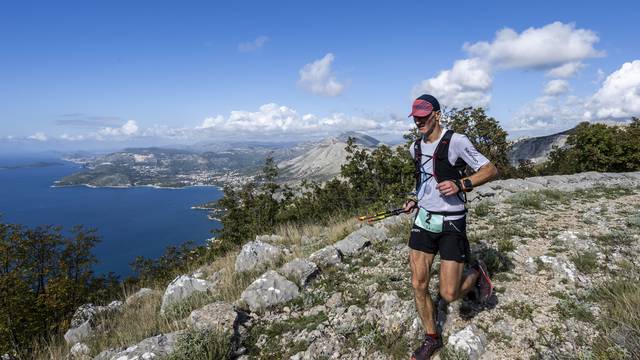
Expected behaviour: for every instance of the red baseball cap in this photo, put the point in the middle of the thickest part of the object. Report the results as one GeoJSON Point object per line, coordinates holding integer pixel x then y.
{"type": "Point", "coordinates": [424, 105]}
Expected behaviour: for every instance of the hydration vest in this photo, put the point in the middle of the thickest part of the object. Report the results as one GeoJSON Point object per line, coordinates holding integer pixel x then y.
{"type": "Point", "coordinates": [442, 168]}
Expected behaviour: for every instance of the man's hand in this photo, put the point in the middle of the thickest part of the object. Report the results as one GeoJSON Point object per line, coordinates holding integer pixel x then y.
{"type": "Point", "coordinates": [447, 188]}
{"type": "Point", "coordinates": [409, 206]}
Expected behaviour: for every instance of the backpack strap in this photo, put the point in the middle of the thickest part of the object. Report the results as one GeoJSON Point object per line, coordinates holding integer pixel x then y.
{"type": "Point", "coordinates": [417, 159]}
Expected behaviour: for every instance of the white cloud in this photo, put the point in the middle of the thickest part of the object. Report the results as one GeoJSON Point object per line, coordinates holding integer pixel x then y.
{"type": "Point", "coordinates": [618, 99]}
{"type": "Point", "coordinates": [549, 112]}
{"type": "Point", "coordinates": [566, 70]}
{"type": "Point", "coordinates": [128, 129]}
{"type": "Point", "coordinates": [549, 46]}
{"type": "Point", "coordinates": [253, 45]}
{"type": "Point", "coordinates": [558, 48]}
{"type": "Point", "coordinates": [619, 96]}
{"type": "Point", "coordinates": [556, 87]}
{"type": "Point", "coordinates": [273, 119]}
{"type": "Point", "coordinates": [318, 78]}
{"type": "Point", "coordinates": [467, 83]}
{"type": "Point", "coordinates": [39, 136]}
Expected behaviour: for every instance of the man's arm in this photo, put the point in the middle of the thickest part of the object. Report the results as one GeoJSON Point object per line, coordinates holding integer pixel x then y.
{"type": "Point", "coordinates": [486, 173]}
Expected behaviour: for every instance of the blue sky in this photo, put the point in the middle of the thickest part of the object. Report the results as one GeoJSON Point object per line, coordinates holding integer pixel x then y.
{"type": "Point", "coordinates": [87, 74]}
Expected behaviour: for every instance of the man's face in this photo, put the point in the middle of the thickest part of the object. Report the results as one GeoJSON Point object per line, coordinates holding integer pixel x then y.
{"type": "Point", "coordinates": [425, 124]}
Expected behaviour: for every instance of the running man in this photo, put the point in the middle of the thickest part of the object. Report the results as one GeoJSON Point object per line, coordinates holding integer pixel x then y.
{"type": "Point", "coordinates": [440, 223]}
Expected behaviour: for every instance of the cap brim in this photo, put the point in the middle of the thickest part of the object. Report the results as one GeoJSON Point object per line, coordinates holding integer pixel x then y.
{"type": "Point", "coordinates": [420, 113]}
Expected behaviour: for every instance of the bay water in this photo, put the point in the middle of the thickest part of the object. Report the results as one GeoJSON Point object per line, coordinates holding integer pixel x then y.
{"type": "Point", "coordinates": [136, 221]}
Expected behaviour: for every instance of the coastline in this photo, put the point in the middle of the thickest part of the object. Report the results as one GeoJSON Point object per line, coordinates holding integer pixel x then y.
{"type": "Point", "coordinates": [135, 186]}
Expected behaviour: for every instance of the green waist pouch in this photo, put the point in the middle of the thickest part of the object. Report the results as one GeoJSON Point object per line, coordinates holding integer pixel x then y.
{"type": "Point", "coordinates": [428, 221]}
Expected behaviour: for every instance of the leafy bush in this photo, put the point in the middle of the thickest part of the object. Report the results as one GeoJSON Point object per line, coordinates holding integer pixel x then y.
{"type": "Point", "coordinates": [597, 147]}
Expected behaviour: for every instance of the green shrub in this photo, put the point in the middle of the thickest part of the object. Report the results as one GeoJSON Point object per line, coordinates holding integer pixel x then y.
{"type": "Point", "coordinates": [483, 208]}
{"type": "Point", "coordinates": [527, 200]}
{"type": "Point", "coordinates": [568, 308]}
{"type": "Point", "coordinates": [506, 245]}
{"type": "Point", "coordinates": [586, 262]}
{"type": "Point", "coordinates": [205, 345]}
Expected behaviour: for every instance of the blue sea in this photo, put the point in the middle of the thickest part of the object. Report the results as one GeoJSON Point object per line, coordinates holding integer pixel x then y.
{"type": "Point", "coordinates": [130, 221]}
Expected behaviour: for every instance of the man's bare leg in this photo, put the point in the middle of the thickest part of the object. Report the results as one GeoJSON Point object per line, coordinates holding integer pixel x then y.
{"type": "Point", "coordinates": [452, 284]}
{"type": "Point", "coordinates": [420, 263]}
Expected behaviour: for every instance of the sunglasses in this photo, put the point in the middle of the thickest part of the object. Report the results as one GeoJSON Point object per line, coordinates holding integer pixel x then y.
{"type": "Point", "coordinates": [420, 121]}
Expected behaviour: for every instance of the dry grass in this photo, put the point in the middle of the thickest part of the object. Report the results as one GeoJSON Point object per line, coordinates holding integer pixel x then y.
{"type": "Point", "coordinates": [143, 319]}
{"type": "Point", "coordinates": [135, 322]}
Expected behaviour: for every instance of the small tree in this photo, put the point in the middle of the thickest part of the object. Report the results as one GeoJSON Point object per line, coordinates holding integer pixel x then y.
{"type": "Point", "coordinates": [485, 133]}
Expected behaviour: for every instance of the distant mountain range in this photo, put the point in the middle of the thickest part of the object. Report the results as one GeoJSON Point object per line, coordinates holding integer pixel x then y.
{"type": "Point", "coordinates": [236, 163]}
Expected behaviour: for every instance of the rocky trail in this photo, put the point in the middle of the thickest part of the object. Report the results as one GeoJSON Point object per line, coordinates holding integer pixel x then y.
{"type": "Point", "coordinates": [550, 244]}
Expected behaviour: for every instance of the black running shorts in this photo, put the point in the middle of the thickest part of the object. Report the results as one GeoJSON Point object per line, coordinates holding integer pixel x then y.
{"type": "Point", "coordinates": [452, 242]}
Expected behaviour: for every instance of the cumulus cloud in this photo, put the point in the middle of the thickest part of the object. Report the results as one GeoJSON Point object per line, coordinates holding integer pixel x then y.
{"type": "Point", "coordinates": [557, 48]}
{"type": "Point", "coordinates": [556, 87]}
{"type": "Point", "coordinates": [272, 119]}
{"type": "Point", "coordinates": [566, 70]}
{"type": "Point", "coordinates": [130, 128]}
{"type": "Point", "coordinates": [618, 99]}
{"type": "Point", "coordinates": [549, 46]}
{"type": "Point", "coordinates": [253, 45]}
{"type": "Point", "coordinates": [466, 83]}
{"type": "Point", "coordinates": [39, 136]}
{"type": "Point", "coordinates": [619, 96]}
{"type": "Point", "coordinates": [318, 78]}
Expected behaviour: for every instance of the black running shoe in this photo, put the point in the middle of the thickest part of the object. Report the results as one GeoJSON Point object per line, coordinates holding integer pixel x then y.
{"type": "Point", "coordinates": [428, 347]}
{"type": "Point", "coordinates": [484, 285]}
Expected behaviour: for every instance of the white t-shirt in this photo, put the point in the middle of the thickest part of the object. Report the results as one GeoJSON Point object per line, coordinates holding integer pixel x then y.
{"type": "Point", "coordinates": [428, 196]}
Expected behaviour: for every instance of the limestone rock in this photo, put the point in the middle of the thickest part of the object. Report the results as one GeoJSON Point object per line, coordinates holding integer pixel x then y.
{"type": "Point", "coordinates": [299, 270]}
{"type": "Point", "coordinates": [257, 255]}
{"type": "Point", "coordinates": [83, 320]}
{"type": "Point", "coordinates": [327, 256]}
{"type": "Point", "coordinates": [352, 244]}
{"type": "Point", "coordinates": [470, 340]}
{"type": "Point", "coordinates": [563, 269]}
{"type": "Point", "coordinates": [182, 288]}
{"type": "Point", "coordinates": [268, 290]}
{"type": "Point", "coordinates": [150, 348]}
{"type": "Point", "coordinates": [219, 316]}
{"type": "Point", "coordinates": [80, 351]}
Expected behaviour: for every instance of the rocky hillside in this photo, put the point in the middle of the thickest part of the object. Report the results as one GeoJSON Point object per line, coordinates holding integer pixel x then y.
{"type": "Point", "coordinates": [323, 161]}
{"type": "Point", "coordinates": [537, 148]}
{"type": "Point", "coordinates": [562, 251]}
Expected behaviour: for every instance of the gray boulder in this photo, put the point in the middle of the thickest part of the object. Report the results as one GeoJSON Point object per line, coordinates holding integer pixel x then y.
{"type": "Point", "coordinates": [327, 256]}
{"type": "Point", "coordinates": [150, 348]}
{"type": "Point", "coordinates": [219, 316]}
{"type": "Point", "coordinates": [471, 340]}
{"type": "Point", "coordinates": [83, 320]}
{"type": "Point", "coordinates": [181, 288]}
{"type": "Point", "coordinates": [561, 268]}
{"type": "Point", "coordinates": [77, 334]}
{"type": "Point", "coordinates": [373, 233]}
{"type": "Point", "coordinates": [80, 351]}
{"type": "Point", "coordinates": [257, 255]}
{"type": "Point", "coordinates": [268, 290]}
{"type": "Point", "coordinates": [299, 270]}
{"type": "Point", "coordinates": [352, 244]}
